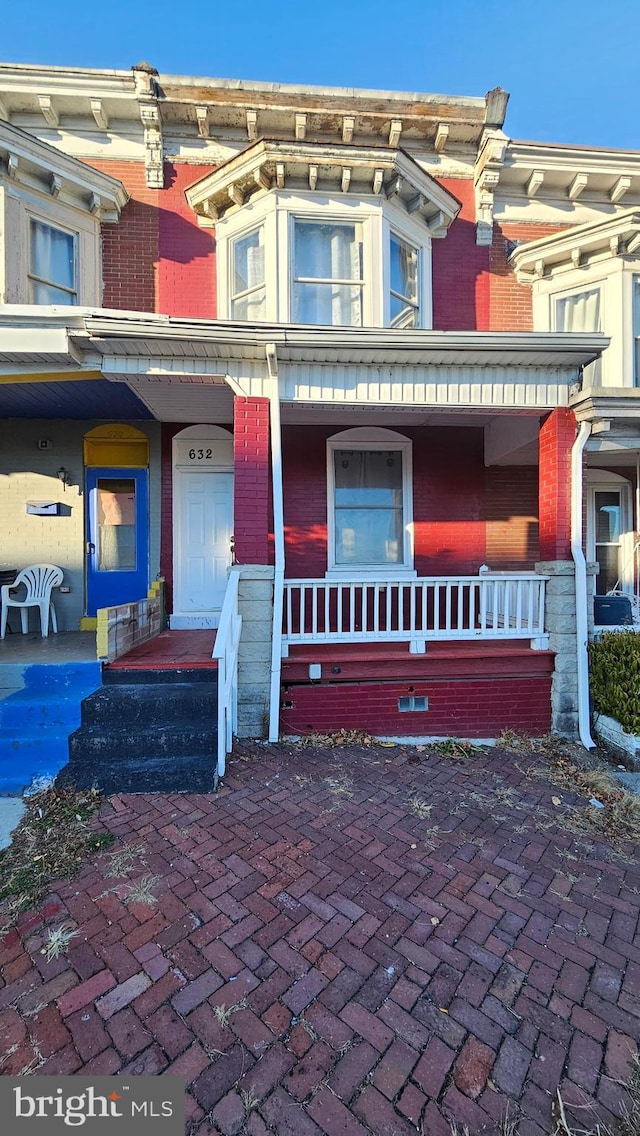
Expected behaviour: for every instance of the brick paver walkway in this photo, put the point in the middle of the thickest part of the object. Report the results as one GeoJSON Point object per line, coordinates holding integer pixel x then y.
{"type": "Point", "coordinates": [328, 955]}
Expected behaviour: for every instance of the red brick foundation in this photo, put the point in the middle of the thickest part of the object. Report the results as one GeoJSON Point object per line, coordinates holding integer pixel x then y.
{"type": "Point", "coordinates": [462, 708]}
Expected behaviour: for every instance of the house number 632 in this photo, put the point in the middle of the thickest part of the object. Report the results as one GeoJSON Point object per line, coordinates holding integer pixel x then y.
{"type": "Point", "coordinates": [200, 455]}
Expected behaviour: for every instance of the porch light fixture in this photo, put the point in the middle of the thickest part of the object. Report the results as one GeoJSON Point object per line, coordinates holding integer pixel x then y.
{"type": "Point", "coordinates": [63, 475]}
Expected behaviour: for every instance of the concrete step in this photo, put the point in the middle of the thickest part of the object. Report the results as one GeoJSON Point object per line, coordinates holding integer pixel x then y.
{"type": "Point", "coordinates": [91, 745]}
{"type": "Point", "coordinates": [145, 705]}
{"type": "Point", "coordinates": [115, 676]}
{"type": "Point", "coordinates": [189, 774]}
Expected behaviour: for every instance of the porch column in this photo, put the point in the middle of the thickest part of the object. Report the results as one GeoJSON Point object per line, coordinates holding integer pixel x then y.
{"type": "Point", "coordinates": [251, 480]}
{"type": "Point", "coordinates": [557, 435]}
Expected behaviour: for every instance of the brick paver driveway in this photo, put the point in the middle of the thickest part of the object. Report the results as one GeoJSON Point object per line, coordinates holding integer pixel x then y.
{"type": "Point", "coordinates": [345, 941]}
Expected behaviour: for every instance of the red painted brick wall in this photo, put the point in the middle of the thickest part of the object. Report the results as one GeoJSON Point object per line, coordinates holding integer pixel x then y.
{"type": "Point", "coordinates": [186, 274]}
{"type": "Point", "coordinates": [130, 248]}
{"type": "Point", "coordinates": [157, 259]}
{"type": "Point", "coordinates": [557, 435]}
{"type": "Point", "coordinates": [251, 480]}
{"type": "Point", "coordinates": [464, 708]}
{"type": "Point", "coordinates": [461, 269]}
{"type": "Point", "coordinates": [511, 516]}
{"type": "Point", "coordinates": [510, 303]}
{"type": "Point", "coordinates": [464, 515]}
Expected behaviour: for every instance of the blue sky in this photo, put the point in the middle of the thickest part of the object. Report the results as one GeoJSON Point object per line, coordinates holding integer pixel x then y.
{"type": "Point", "coordinates": [571, 66]}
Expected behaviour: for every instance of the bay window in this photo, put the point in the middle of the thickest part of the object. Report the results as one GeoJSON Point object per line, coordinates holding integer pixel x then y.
{"type": "Point", "coordinates": [315, 261]}
{"type": "Point", "coordinates": [52, 265]}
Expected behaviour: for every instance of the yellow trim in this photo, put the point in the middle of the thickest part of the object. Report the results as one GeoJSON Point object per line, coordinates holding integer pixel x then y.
{"type": "Point", "coordinates": [116, 446]}
{"type": "Point", "coordinates": [102, 633]}
{"type": "Point", "coordinates": [53, 377]}
{"type": "Point", "coordinates": [88, 623]}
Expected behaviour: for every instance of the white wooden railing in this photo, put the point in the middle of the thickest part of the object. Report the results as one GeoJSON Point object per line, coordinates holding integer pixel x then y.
{"type": "Point", "coordinates": [507, 605]}
{"type": "Point", "coordinates": [225, 651]}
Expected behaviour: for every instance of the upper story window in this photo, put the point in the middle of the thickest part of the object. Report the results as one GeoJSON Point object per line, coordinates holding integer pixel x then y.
{"type": "Point", "coordinates": [327, 280]}
{"type": "Point", "coordinates": [52, 265]}
{"type": "Point", "coordinates": [52, 209]}
{"type": "Point", "coordinates": [404, 295]}
{"type": "Point", "coordinates": [247, 293]}
{"type": "Point", "coordinates": [346, 233]}
{"type": "Point", "coordinates": [586, 278]}
{"type": "Point", "coordinates": [581, 311]}
{"type": "Point", "coordinates": [636, 329]}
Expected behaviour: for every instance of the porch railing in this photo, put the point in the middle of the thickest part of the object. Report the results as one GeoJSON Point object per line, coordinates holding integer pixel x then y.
{"type": "Point", "coordinates": [225, 651]}
{"type": "Point", "coordinates": [507, 605]}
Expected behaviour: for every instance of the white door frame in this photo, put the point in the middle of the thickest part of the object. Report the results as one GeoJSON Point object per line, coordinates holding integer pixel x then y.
{"type": "Point", "coordinates": [605, 481]}
{"type": "Point", "coordinates": [208, 449]}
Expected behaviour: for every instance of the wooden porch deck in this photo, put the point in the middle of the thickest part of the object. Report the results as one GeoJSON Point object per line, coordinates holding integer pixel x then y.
{"type": "Point", "coordinates": [171, 650]}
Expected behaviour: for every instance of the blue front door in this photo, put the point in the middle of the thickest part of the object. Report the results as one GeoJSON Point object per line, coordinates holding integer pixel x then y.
{"type": "Point", "coordinates": [117, 537]}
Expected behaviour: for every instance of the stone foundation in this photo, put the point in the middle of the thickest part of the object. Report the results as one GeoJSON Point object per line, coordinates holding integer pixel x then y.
{"type": "Point", "coordinates": [560, 622]}
{"type": "Point", "coordinates": [255, 604]}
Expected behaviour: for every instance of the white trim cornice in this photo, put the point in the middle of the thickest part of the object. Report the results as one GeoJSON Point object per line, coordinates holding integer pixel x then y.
{"type": "Point", "coordinates": [612, 237]}
{"type": "Point", "coordinates": [311, 164]}
{"type": "Point", "coordinates": [24, 156]}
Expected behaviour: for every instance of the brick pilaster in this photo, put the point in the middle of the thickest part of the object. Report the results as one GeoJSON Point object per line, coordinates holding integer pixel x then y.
{"type": "Point", "coordinates": [557, 435]}
{"type": "Point", "coordinates": [251, 485]}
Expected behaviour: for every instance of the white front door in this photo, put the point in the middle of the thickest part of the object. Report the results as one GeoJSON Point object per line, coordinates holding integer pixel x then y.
{"type": "Point", "coordinates": [203, 511]}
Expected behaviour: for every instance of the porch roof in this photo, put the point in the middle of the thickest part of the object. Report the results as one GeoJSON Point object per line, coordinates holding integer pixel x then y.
{"type": "Point", "coordinates": [82, 336]}
{"type": "Point", "coordinates": [186, 370]}
{"type": "Point", "coordinates": [225, 339]}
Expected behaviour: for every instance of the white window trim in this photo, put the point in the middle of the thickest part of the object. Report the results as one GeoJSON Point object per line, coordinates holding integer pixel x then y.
{"type": "Point", "coordinates": [31, 276]}
{"type": "Point", "coordinates": [277, 209]}
{"type": "Point", "coordinates": [371, 438]}
{"type": "Point", "coordinates": [393, 233]}
{"type": "Point", "coordinates": [614, 277]}
{"type": "Point", "coordinates": [605, 481]}
{"type": "Point", "coordinates": [19, 206]}
{"type": "Point", "coordinates": [233, 241]}
{"type": "Point", "coordinates": [362, 230]}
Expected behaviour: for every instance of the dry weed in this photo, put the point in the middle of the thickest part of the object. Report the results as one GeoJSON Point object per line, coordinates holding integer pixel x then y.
{"type": "Point", "coordinates": [57, 941]}
{"type": "Point", "coordinates": [52, 840]}
{"type": "Point", "coordinates": [420, 808]}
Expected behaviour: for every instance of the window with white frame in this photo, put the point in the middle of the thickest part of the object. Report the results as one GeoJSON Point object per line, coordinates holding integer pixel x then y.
{"type": "Point", "coordinates": [404, 296]}
{"type": "Point", "coordinates": [248, 292]}
{"type": "Point", "coordinates": [370, 505]}
{"type": "Point", "coordinates": [318, 261]}
{"type": "Point", "coordinates": [53, 264]}
{"type": "Point", "coordinates": [636, 330]}
{"type": "Point", "coordinates": [581, 311]}
{"type": "Point", "coordinates": [327, 278]}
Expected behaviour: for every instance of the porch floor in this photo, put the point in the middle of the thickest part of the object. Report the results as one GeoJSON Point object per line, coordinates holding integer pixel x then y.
{"type": "Point", "coordinates": [170, 650]}
{"type": "Point", "coordinates": [63, 647]}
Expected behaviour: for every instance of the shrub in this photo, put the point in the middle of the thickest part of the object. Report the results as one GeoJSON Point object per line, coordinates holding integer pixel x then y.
{"type": "Point", "coordinates": [614, 668]}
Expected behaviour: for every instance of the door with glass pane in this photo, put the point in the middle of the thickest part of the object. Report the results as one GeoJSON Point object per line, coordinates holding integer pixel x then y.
{"type": "Point", "coordinates": [117, 550]}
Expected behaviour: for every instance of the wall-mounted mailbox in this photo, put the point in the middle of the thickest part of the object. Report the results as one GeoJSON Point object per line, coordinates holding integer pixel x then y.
{"type": "Point", "coordinates": [44, 508]}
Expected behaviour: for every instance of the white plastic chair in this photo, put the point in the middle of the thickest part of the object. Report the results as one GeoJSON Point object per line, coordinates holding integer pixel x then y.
{"type": "Point", "coordinates": [38, 580]}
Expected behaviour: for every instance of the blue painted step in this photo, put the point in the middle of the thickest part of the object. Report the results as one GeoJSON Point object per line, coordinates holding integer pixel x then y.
{"type": "Point", "coordinates": [40, 705]}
